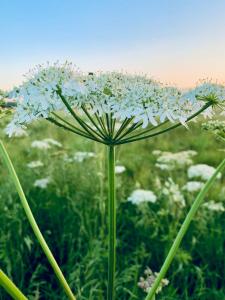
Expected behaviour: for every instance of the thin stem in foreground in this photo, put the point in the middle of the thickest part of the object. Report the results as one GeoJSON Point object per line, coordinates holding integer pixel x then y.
{"type": "Point", "coordinates": [10, 287]}
{"type": "Point", "coordinates": [112, 223]}
{"type": "Point", "coordinates": [182, 231]}
{"type": "Point", "coordinates": [33, 223]}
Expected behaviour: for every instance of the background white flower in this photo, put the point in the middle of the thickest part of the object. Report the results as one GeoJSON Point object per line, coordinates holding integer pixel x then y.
{"type": "Point", "coordinates": [42, 183]}
{"type": "Point", "coordinates": [53, 142]}
{"type": "Point", "coordinates": [202, 171]}
{"type": "Point", "coordinates": [193, 186]}
{"type": "Point", "coordinates": [43, 145]}
{"type": "Point", "coordinates": [172, 191]}
{"type": "Point", "coordinates": [214, 206]}
{"type": "Point", "coordinates": [139, 196]}
{"type": "Point", "coordinates": [147, 282]}
{"type": "Point", "coordinates": [119, 169]}
{"type": "Point", "coordinates": [79, 156]}
{"type": "Point", "coordinates": [170, 161]}
{"type": "Point", "coordinates": [35, 164]}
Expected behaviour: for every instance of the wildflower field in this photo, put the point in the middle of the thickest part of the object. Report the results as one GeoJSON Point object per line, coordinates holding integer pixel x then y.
{"type": "Point", "coordinates": [64, 179]}
{"type": "Point", "coordinates": [112, 150]}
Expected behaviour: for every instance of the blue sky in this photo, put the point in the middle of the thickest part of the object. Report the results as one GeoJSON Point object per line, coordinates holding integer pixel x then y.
{"type": "Point", "coordinates": [176, 41]}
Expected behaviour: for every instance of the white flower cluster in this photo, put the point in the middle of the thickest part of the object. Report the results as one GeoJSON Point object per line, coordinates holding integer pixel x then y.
{"type": "Point", "coordinates": [79, 157]}
{"type": "Point", "coordinates": [150, 277]}
{"type": "Point", "coordinates": [139, 196]}
{"type": "Point", "coordinates": [202, 171]}
{"type": "Point", "coordinates": [172, 191]}
{"type": "Point", "coordinates": [35, 164]}
{"type": "Point", "coordinates": [193, 186]}
{"type": "Point", "coordinates": [120, 169]}
{"type": "Point", "coordinates": [128, 96]}
{"type": "Point", "coordinates": [45, 144]}
{"type": "Point", "coordinates": [206, 89]}
{"type": "Point", "coordinates": [169, 160]}
{"type": "Point", "coordinates": [125, 96]}
{"type": "Point", "coordinates": [52, 142]}
{"type": "Point", "coordinates": [42, 183]}
{"type": "Point", "coordinates": [37, 97]}
{"type": "Point", "coordinates": [214, 206]}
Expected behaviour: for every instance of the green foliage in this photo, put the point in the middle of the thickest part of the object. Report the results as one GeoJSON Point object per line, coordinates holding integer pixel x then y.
{"type": "Point", "coordinates": [71, 216]}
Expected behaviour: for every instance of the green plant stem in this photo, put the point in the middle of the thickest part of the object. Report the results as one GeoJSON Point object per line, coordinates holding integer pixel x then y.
{"type": "Point", "coordinates": [101, 123]}
{"type": "Point", "coordinates": [34, 225]}
{"type": "Point", "coordinates": [130, 130]}
{"type": "Point", "coordinates": [68, 123]}
{"type": "Point", "coordinates": [183, 230]}
{"type": "Point", "coordinates": [101, 133]}
{"type": "Point", "coordinates": [123, 126]}
{"type": "Point", "coordinates": [86, 135]}
{"type": "Point", "coordinates": [108, 125]}
{"type": "Point", "coordinates": [84, 125]}
{"type": "Point", "coordinates": [112, 223]}
{"type": "Point", "coordinates": [143, 131]}
{"type": "Point", "coordinates": [10, 287]}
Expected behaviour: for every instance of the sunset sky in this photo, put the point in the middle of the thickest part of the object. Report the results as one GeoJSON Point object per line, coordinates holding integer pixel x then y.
{"type": "Point", "coordinates": [175, 41]}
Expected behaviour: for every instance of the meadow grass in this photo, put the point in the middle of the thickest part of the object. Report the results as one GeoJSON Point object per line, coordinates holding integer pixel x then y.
{"type": "Point", "coordinates": [71, 215]}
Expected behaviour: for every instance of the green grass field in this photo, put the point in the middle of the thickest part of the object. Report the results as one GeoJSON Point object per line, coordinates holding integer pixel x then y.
{"type": "Point", "coordinates": [71, 215]}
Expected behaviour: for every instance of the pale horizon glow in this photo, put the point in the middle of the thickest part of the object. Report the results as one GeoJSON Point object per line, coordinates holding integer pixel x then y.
{"type": "Point", "coordinates": [176, 43]}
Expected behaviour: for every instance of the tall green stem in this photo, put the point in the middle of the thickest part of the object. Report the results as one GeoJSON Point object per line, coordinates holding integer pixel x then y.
{"type": "Point", "coordinates": [33, 223]}
{"type": "Point", "coordinates": [10, 287]}
{"type": "Point", "coordinates": [112, 223]}
{"type": "Point", "coordinates": [183, 230]}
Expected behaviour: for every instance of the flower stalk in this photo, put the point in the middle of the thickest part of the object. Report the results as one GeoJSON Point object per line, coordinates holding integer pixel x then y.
{"type": "Point", "coordinates": [182, 231]}
{"type": "Point", "coordinates": [10, 287]}
{"type": "Point", "coordinates": [112, 223]}
{"type": "Point", "coordinates": [33, 223]}
{"type": "Point", "coordinates": [142, 136]}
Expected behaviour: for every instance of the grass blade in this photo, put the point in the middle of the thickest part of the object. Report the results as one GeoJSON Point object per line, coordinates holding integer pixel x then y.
{"type": "Point", "coordinates": [33, 223]}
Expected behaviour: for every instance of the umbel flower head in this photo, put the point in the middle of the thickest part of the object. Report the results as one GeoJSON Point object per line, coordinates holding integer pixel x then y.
{"type": "Point", "coordinates": [97, 102]}
{"type": "Point", "coordinates": [147, 282]}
